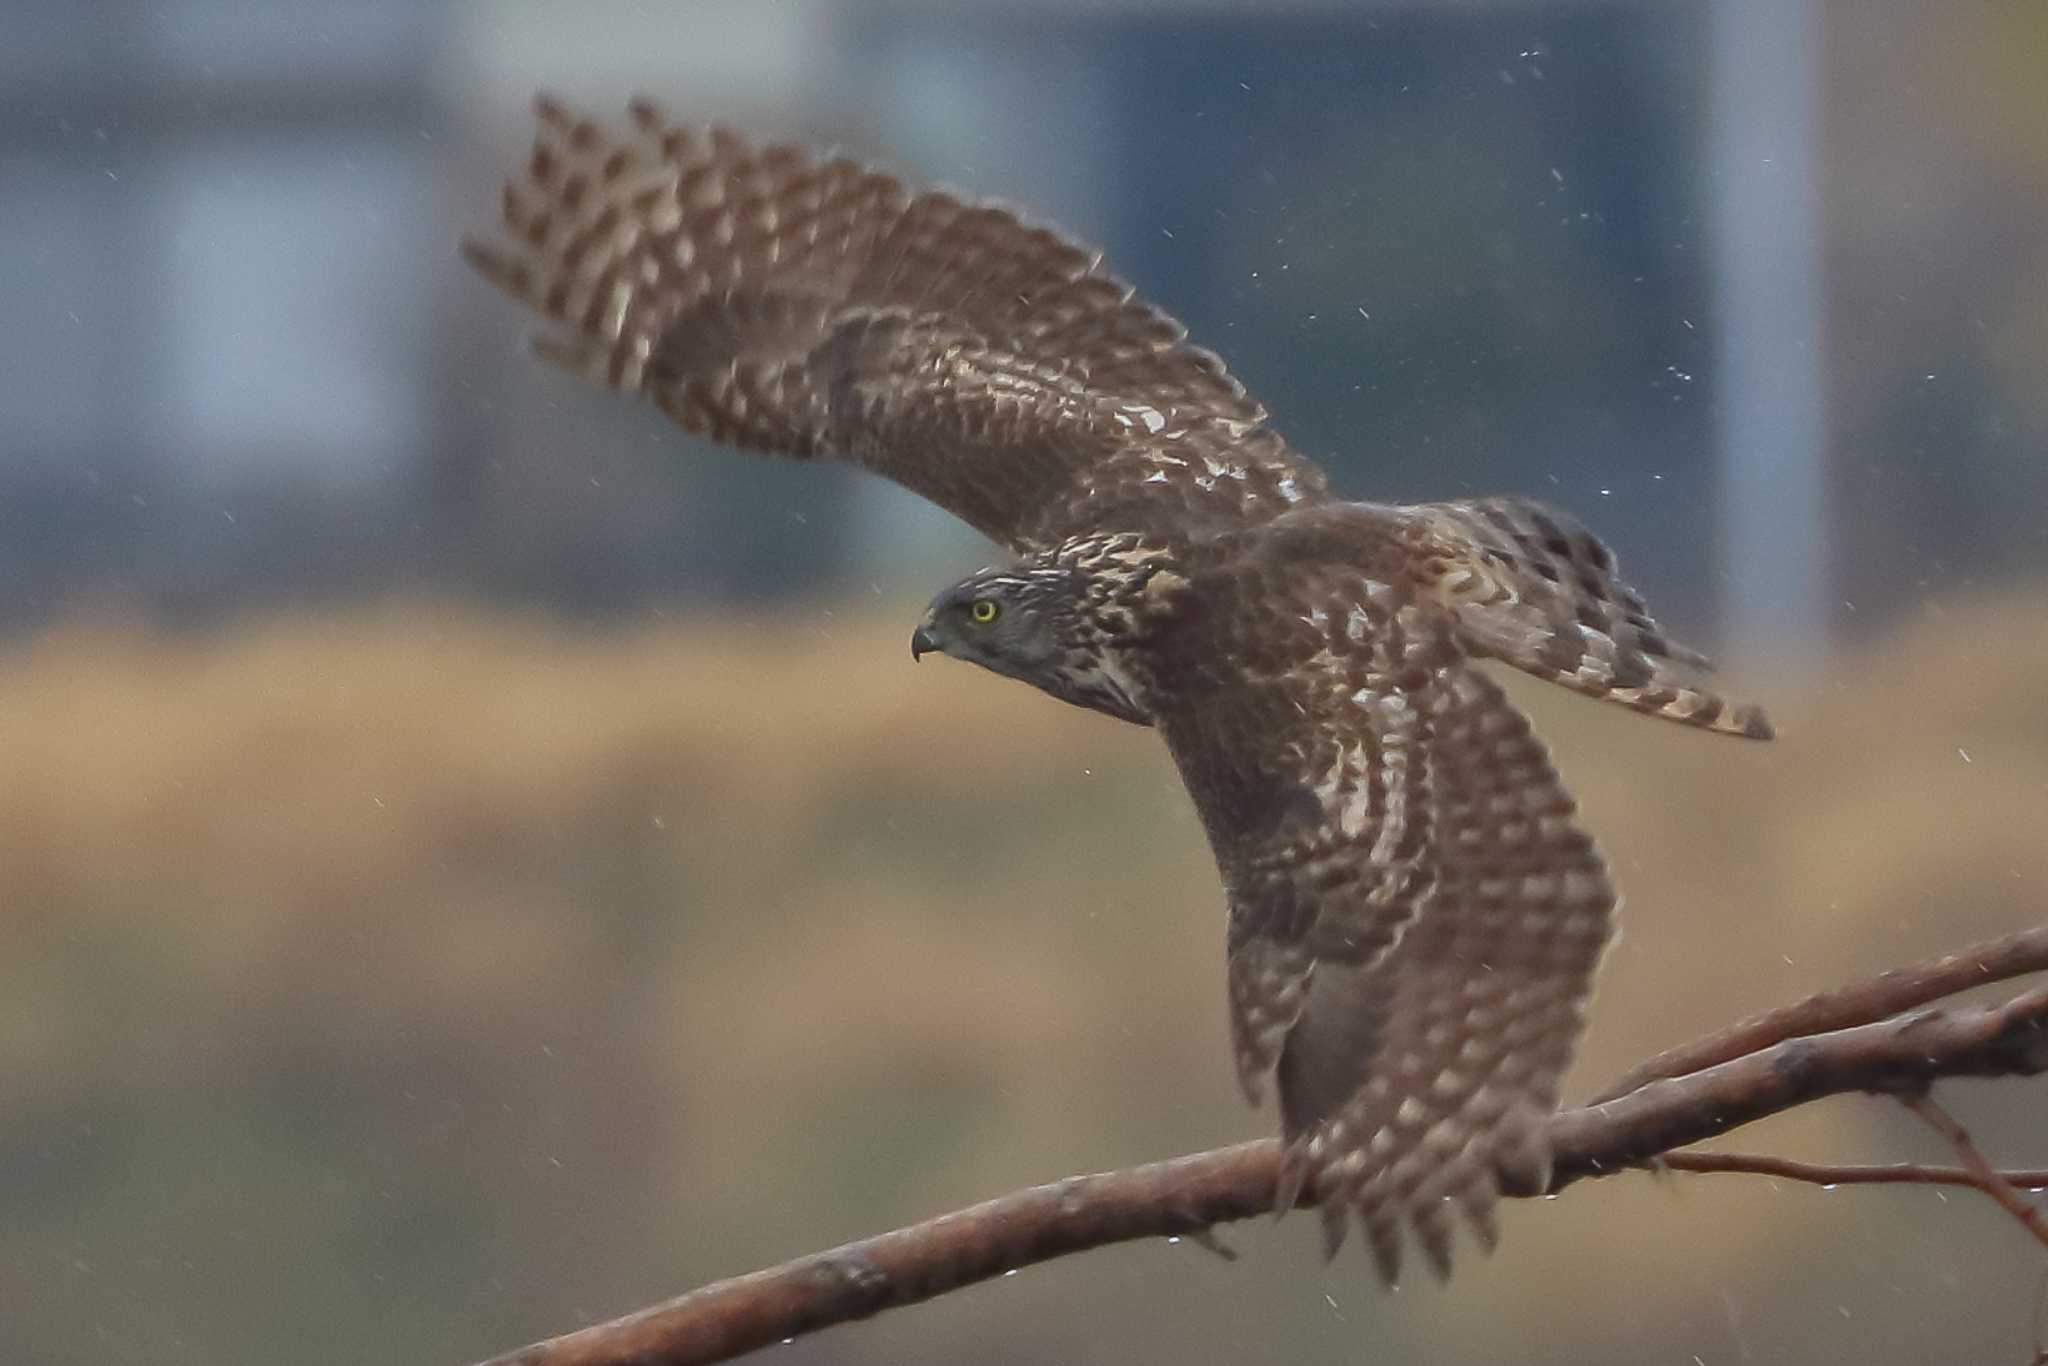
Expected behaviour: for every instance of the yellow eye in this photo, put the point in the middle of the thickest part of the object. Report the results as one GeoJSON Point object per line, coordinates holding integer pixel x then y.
{"type": "Point", "coordinates": [984, 610]}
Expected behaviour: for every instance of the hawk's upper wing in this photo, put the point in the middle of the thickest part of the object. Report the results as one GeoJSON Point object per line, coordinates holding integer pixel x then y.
{"type": "Point", "coordinates": [807, 307]}
{"type": "Point", "coordinates": [1414, 917]}
{"type": "Point", "coordinates": [1532, 587]}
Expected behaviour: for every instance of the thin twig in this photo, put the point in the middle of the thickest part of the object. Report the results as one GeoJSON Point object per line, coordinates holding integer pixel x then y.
{"type": "Point", "coordinates": [1185, 1195]}
{"type": "Point", "coordinates": [1880, 998]}
{"type": "Point", "coordinates": [2041, 1323]}
{"type": "Point", "coordinates": [1840, 1174]}
{"type": "Point", "coordinates": [1987, 1178]}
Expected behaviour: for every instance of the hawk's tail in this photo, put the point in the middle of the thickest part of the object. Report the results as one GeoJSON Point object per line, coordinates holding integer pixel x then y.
{"type": "Point", "coordinates": [1531, 587]}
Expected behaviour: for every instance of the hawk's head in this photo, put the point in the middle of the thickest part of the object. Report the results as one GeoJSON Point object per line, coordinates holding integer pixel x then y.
{"type": "Point", "coordinates": [1034, 622]}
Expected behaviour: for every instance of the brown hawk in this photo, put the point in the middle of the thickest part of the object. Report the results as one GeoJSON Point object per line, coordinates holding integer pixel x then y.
{"type": "Point", "coordinates": [1414, 918]}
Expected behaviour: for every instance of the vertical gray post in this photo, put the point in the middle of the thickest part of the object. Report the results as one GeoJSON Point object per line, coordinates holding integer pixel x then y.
{"type": "Point", "coordinates": [1766, 224]}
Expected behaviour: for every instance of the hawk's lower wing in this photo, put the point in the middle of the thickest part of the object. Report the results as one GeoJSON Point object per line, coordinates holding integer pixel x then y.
{"type": "Point", "coordinates": [1414, 918]}
{"type": "Point", "coordinates": [785, 304]}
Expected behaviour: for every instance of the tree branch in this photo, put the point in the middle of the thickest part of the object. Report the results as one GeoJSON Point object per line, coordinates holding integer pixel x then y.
{"type": "Point", "coordinates": [1880, 998]}
{"type": "Point", "coordinates": [1983, 1175]}
{"type": "Point", "coordinates": [1760, 1067]}
{"type": "Point", "coordinates": [1842, 1174]}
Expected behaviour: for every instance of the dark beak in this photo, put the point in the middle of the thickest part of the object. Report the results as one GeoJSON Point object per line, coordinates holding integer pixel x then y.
{"type": "Point", "coordinates": [921, 643]}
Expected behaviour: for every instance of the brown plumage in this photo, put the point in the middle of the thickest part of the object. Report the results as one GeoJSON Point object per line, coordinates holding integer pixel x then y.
{"type": "Point", "coordinates": [1414, 916]}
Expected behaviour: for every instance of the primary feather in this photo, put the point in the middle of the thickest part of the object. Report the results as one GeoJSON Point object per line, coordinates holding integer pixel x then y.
{"type": "Point", "coordinates": [816, 308]}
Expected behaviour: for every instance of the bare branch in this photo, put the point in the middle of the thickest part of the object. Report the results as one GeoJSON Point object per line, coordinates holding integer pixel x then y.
{"type": "Point", "coordinates": [1985, 1177]}
{"type": "Point", "coordinates": [1187, 1195]}
{"type": "Point", "coordinates": [1840, 1174]}
{"type": "Point", "coordinates": [1880, 998]}
{"type": "Point", "coordinates": [1890, 1056]}
{"type": "Point", "coordinates": [1183, 1196]}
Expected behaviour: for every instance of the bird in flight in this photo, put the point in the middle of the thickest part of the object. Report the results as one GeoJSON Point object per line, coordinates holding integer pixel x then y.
{"type": "Point", "coordinates": [1414, 917]}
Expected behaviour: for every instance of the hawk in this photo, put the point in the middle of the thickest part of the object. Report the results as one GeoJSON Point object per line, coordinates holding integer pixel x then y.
{"type": "Point", "coordinates": [1414, 917]}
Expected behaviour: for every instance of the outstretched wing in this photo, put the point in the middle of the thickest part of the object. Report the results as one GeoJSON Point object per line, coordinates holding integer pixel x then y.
{"type": "Point", "coordinates": [1414, 918]}
{"type": "Point", "coordinates": [804, 307]}
{"type": "Point", "coordinates": [1532, 587]}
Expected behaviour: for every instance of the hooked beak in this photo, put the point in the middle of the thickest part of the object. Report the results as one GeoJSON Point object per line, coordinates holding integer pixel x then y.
{"type": "Point", "coordinates": [921, 644]}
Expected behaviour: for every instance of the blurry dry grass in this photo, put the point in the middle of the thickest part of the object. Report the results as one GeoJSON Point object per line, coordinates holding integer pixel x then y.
{"type": "Point", "coordinates": [588, 964]}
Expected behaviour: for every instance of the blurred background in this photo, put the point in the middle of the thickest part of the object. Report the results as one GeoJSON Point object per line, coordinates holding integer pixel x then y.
{"type": "Point", "coordinates": [474, 861]}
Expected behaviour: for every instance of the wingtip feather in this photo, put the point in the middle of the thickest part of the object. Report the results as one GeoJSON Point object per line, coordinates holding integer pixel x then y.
{"type": "Point", "coordinates": [1433, 1231]}
{"type": "Point", "coordinates": [1293, 1176]}
{"type": "Point", "coordinates": [508, 272]}
{"type": "Point", "coordinates": [1336, 1225]}
{"type": "Point", "coordinates": [1383, 1236]}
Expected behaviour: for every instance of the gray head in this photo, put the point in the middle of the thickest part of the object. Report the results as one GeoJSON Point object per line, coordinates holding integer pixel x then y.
{"type": "Point", "coordinates": [1008, 620]}
{"type": "Point", "coordinates": [1031, 622]}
